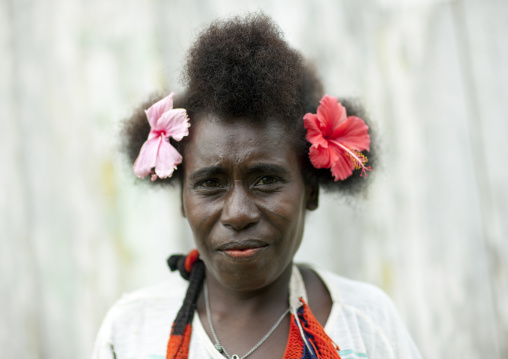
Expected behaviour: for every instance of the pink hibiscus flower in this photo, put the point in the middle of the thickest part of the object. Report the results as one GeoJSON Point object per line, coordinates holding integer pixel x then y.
{"type": "Point", "coordinates": [336, 139]}
{"type": "Point", "coordinates": [157, 155]}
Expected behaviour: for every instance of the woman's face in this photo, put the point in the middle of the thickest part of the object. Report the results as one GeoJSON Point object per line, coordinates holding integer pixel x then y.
{"type": "Point", "coordinates": [245, 200]}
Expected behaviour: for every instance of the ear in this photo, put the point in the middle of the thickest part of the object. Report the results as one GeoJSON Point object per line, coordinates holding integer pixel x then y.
{"type": "Point", "coordinates": [313, 198]}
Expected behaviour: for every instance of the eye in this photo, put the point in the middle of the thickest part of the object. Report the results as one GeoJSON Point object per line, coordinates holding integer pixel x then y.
{"type": "Point", "coordinates": [267, 180]}
{"type": "Point", "coordinates": [208, 183]}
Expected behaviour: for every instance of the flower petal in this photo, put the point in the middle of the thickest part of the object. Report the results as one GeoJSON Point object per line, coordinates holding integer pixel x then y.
{"type": "Point", "coordinates": [147, 157]}
{"type": "Point", "coordinates": [167, 160]}
{"type": "Point", "coordinates": [353, 133]}
{"type": "Point", "coordinates": [175, 123]}
{"type": "Point", "coordinates": [320, 157]}
{"type": "Point", "coordinates": [314, 133]}
{"type": "Point", "coordinates": [331, 114]}
{"type": "Point", "coordinates": [157, 109]}
{"type": "Point", "coordinates": [342, 167]}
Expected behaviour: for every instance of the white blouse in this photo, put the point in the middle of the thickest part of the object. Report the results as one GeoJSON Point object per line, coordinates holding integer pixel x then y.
{"type": "Point", "coordinates": [363, 322]}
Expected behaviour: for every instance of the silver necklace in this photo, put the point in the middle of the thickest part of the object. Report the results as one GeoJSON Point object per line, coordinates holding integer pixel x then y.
{"type": "Point", "coordinates": [220, 348]}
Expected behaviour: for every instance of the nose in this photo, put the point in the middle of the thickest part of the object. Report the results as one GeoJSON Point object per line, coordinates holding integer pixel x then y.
{"type": "Point", "coordinates": [239, 211]}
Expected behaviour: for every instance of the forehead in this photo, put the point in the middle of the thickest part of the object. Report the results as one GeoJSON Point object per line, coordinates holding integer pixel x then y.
{"type": "Point", "coordinates": [238, 143]}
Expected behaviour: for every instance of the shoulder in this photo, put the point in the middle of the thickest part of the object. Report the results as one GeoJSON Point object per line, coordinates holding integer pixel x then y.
{"type": "Point", "coordinates": [171, 289]}
{"type": "Point", "coordinates": [162, 299]}
{"type": "Point", "coordinates": [150, 310]}
{"type": "Point", "coordinates": [364, 311]}
{"type": "Point", "coordinates": [356, 294]}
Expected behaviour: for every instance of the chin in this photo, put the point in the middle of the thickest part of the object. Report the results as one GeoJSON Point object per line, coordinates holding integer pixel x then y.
{"type": "Point", "coordinates": [245, 275]}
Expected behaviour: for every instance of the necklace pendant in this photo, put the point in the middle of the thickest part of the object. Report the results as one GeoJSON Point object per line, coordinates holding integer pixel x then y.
{"type": "Point", "coordinates": [219, 348]}
{"type": "Point", "coordinates": [235, 356]}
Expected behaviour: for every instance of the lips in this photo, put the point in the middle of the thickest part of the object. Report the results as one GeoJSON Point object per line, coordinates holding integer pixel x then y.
{"type": "Point", "coordinates": [242, 250]}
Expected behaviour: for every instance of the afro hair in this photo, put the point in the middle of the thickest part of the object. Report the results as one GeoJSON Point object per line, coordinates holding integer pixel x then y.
{"type": "Point", "coordinates": [243, 69]}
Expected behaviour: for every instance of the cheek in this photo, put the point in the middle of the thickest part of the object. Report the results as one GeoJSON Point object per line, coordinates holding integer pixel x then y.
{"type": "Point", "coordinates": [287, 214]}
{"type": "Point", "coordinates": [298, 218]}
{"type": "Point", "coordinates": [291, 205]}
{"type": "Point", "coordinates": [193, 212]}
{"type": "Point", "coordinates": [200, 215]}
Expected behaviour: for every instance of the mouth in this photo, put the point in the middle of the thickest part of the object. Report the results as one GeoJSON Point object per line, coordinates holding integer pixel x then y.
{"type": "Point", "coordinates": [243, 250]}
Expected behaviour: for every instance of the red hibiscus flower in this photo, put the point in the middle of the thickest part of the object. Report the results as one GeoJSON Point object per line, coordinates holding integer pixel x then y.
{"type": "Point", "coordinates": [337, 140]}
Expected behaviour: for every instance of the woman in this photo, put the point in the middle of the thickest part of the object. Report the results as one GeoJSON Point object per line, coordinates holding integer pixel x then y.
{"type": "Point", "coordinates": [260, 145]}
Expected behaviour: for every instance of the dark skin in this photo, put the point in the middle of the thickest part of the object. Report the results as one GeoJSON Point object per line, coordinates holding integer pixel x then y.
{"type": "Point", "coordinates": [245, 200]}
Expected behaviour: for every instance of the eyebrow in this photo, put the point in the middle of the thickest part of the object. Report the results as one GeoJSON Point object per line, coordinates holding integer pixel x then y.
{"type": "Point", "coordinates": [212, 171]}
{"type": "Point", "coordinates": [209, 171]}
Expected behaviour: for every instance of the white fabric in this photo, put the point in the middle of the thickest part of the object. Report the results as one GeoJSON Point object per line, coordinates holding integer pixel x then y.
{"type": "Point", "coordinates": [297, 290]}
{"type": "Point", "coordinates": [363, 322]}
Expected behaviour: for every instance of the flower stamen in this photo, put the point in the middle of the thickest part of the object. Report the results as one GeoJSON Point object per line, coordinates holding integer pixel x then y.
{"type": "Point", "coordinates": [357, 158]}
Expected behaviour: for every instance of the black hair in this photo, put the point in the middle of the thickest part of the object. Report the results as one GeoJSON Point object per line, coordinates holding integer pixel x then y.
{"type": "Point", "coordinates": [243, 68]}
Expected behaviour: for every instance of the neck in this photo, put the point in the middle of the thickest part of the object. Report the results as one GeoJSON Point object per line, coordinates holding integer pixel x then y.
{"type": "Point", "coordinates": [270, 299]}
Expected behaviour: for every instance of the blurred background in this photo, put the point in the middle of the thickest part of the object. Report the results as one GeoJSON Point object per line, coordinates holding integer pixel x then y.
{"type": "Point", "coordinates": [76, 230]}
